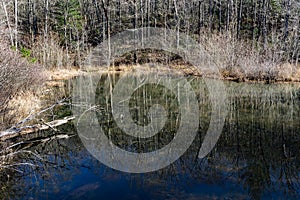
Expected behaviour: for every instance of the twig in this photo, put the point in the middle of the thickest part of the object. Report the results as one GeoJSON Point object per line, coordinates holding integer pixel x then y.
{"type": "Point", "coordinates": [18, 164]}
{"type": "Point", "coordinates": [19, 152]}
{"type": "Point", "coordinates": [50, 126]}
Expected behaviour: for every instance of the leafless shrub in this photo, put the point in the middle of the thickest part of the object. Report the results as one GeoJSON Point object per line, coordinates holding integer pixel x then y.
{"type": "Point", "coordinates": [241, 59]}
{"type": "Point", "coordinates": [16, 75]}
{"type": "Point", "coordinates": [49, 52]}
{"type": "Point", "coordinates": [288, 72]}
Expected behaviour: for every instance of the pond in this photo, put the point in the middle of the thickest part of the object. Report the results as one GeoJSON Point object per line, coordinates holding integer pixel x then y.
{"type": "Point", "coordinates": [256, 157]}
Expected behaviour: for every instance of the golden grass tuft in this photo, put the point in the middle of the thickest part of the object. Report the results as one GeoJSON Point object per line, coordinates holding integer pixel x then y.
{"type": "Point", "coordinates": [63, 74]}
{"type": "Point", "coordinates": [23, 104]}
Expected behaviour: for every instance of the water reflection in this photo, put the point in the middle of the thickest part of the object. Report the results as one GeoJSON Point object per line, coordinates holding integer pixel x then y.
{"type": "Point", "coordinates": [256, 156]}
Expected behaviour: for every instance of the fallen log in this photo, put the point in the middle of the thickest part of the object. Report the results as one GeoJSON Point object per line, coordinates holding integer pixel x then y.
{"type": "Point", "coordinates": [15, 132]}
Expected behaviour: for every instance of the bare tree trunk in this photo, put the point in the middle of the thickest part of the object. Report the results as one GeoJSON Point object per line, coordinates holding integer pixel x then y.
{"type": "Point", "coordinates": [253, 22]}
{"type": "Point", "coordinates": [239, 19]}
{"type": "Point", "coordinates": [135, 58]}
{"type": "Point", "coordinates": [46, 17]}
{"type": "Point", "coordinates": [65, 31]}
{"type": "Point", "coordinates": [286, 23]}
{"type": "Point", "coordinates": [34, 20]}
{"type": "Point", "coordinates": [46, 30]}
{"type": "Point", "coordinates": [210, 15]}
{"type": "Point", "coordinates": [147, 10]}
{"type": "Point", "coordinates": [220, 15]}
{"type": "Point", "coordinates": [177, 22]}
{"type": "Point", "coordinates": [16, 24]}
{"type": "Point", "coordinates": [264, 24]}
{"type": "Point", "coordinates": [106, 9]}
{"type": "Point", "coordinates": [228, 15]}
{"type": "Point", "coordinates": [29, 12]}
{"type": "Point", "coordinates": [119, 14]}
{"type": "Point", "coordinates": [199, 18]}
{"type": "Point", "coordinates": [142, 20]}
{"type": "Point", "coordinates": [8, 23]}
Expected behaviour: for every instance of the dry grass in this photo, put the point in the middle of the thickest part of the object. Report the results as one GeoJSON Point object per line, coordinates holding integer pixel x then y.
{"type": "Point", "coordinates": [63, 74]}
{"type": "Point", "coordinates": [22, 105]}
{"type": "Point", "coordinates": [288, 72]}
{"type": "Point", "coordinates": [17, 76]}
{"type": "Point", "coordinates": [28, 102]}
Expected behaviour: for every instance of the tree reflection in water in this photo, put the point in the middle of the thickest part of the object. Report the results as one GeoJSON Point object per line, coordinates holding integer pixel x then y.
{"type": "Point", "coordinates": [256, 156]}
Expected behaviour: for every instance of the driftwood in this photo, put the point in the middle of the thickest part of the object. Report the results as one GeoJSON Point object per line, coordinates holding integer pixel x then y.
{"type": "Point", "coordinates": [15, 132]}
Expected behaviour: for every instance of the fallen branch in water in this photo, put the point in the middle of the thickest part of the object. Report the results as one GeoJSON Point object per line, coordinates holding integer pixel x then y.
{"type": "Point", "coordinates": [14, 132]}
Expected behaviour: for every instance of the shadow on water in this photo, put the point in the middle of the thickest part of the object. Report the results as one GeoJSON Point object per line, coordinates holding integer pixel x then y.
{"type": "Point", "coordinates": [256, 157]}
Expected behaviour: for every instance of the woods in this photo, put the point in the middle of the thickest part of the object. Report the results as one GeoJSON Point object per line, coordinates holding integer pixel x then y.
{"type": "Point", "coordinates": [71, 27]}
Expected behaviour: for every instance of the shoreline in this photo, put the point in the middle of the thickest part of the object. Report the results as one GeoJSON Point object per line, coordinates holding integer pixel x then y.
{"type": "Point", "coordinates": [55, 77]}
{"type": "Point", "coordinates": [30, 102]}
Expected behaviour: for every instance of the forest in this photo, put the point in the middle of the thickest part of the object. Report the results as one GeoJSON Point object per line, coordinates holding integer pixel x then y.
{"type": "Point", "coordinates": [58, 33]}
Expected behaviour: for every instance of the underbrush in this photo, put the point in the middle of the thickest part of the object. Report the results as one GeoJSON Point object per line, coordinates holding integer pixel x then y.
{"type": "Point", "coordinates": [17, 76]}
{"type": "Point", "coordinates": [50, 54]}
{"type": "Point", "coordinates": [236, 59]}
{"type": "Point", "coordinates": [245, 61]}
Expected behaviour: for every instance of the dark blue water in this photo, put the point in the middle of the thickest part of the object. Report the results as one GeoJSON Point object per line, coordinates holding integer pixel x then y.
{"type": "Point", "coordinates": [83, 177]}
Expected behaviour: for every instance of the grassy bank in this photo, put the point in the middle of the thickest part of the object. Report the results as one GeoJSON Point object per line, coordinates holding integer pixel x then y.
{"type": "Point", "coordinates": [18, 78]}
{"type": "Point", "coordinates": [31, 101]}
